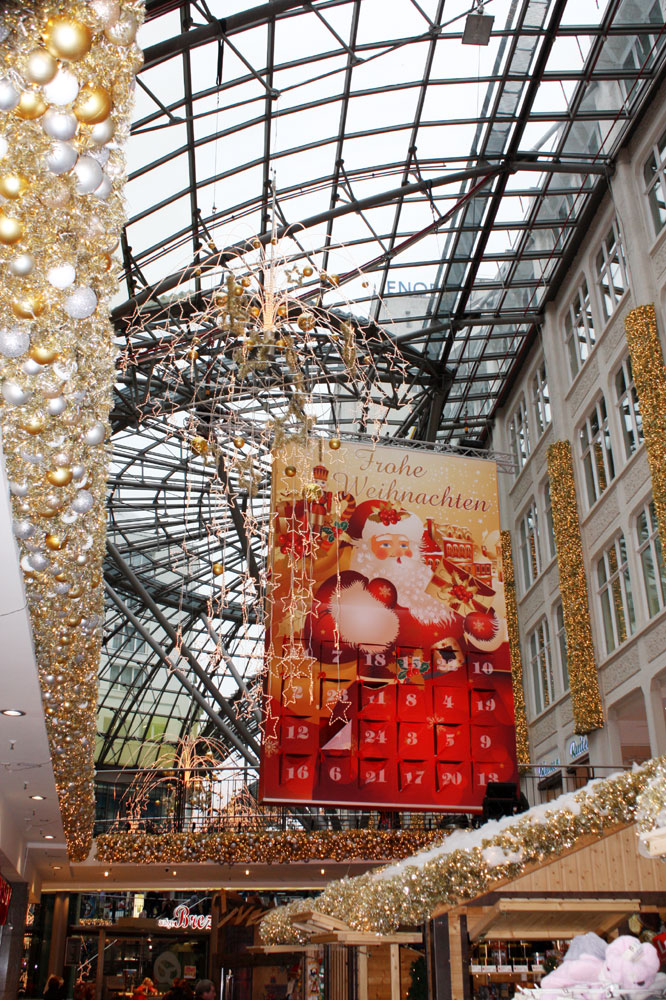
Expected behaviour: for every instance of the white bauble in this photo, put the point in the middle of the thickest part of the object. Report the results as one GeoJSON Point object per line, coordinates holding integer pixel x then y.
{"type": "Point", "coordinates": [14, 342]}
{"type": "Point", "coordinates": [101, 155]}
{"type": "Point", "coordinates": [4, 146]}
{"type": "Point", "coordinates": [61, 276]}
{"type": "Point", "coordinates": [38, 561]}
{"type": "Point", "coordinates": [81, 303]}
{"type": "Point", "coordinates": [63, 88]}
{"type": "Point", "coordinates": [59, 124]}
{"type": "Point", "coordinates": [105, 188]}
{"type": "Point", "coordinates": [18, 489]}
{"type": "Point", "coordinates": [96, 434]}
{"type": "Point", "coordinates": [41, 66]}
{"type": "Point", "coordinates": [22, 265]}
{"type": "Point", "coordinates": [102, 132]}
{"type": "Point", "coordinates": [23, 529]}
{"type": "Point", "coordinates": [78, 471]}
{"type": "Point", "coordinates": [89, 174]}
{"type": "Point", "coordinates": [33, 457]}
{"type": "Point", "coordinates": [83, 502]}
{"type": "Point", "coordinates": [32, 367]}
{"type": "Point", "coordinates": [61, 158]}
{"type": "Point", "coordinates": [123, 31]}
{"type": "Point", "coordinates": [56, 406]}
{"type": "Point", "coordinates": [9, 95]}
{"type": "Point", "coordinates": [13, 394]}
{"type": "Point", "coordinates": [108, 11]}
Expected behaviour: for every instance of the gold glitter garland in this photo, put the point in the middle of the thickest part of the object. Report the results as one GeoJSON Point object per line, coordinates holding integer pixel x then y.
{"type": "Point", "coordinates": [647, 365]}
{"type": "Point", "coordinates": [226, 848]}
{"type": "Point", "coordinates": [407, 895]}
{"type": "Point", "coordinates": [583, 677]}
{"type": "Point", "coordinates": [522, 740]}
{"type": "Point", "coordinates": [65, 95]}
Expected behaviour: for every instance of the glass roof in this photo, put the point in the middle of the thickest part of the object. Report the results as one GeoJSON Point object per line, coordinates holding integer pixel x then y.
{"type": "Point", "coordinates": [436, 193]}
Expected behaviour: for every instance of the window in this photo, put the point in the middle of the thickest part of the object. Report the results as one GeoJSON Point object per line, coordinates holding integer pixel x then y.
{"type": "Point", "coordinates": [529, 551]}
{"type": "Point", "coordinates": [518, 434]}
{"type": "Point", "coordinates": [596, 452]}
{"type": "Point", "coordinates": [627, 404]}
{"type": "Point", "coordinates": [541, 669]}
{"type": "Point", "coordinates": [652, 561]}
{"type": "Point", "coordinates": [655, 184]}
{"type": "Point", "coordinates": [541, 398]}
{"type": "Point", "coordinates": [548, 511]}
{"type": "Point", "coordinates": [561, 643]}
{"type": "Point", "coordinates": [579, 329]}
{"type": "Point", "coordinates": [615, 595]}
{"type": "Point", "coordinates": [611, 275]}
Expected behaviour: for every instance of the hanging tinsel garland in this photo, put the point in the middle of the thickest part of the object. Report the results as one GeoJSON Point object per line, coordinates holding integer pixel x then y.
{"type": "Point", "coordinates": [65, 96]}
{"type": "Point", "coordinates": [522, 741]}
{"type": "Point", "coordinates": [583, 676]}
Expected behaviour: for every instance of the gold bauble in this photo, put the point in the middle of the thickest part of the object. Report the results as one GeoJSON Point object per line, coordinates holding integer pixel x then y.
{"type": "Point", "coordinates": [306, 321]}
{"type": "Point", "coordinates": [192, 355]}
{"type": "Point", "coordinates": [75, 619]}
{"type": "Point", "coordinates": [237, 290]}
{"type": "Point", "coordinates": [34, 424]}
{"type": "Point", "coordinates": [47, 512]}
{"type": "Point", "coordinates": [11, 229]}
{"type": "Point", "coordinates": [290, 471]}
{"type": "Point", "coordinates": [68, 39]}
{"type": "Point", "coordinates": [199, 445]}
{"type": "Point", "coordinates": [61, 577]}
{"type": "Point", "coordinates": [282, 310]}
{"type": "Point", "coordinates": [334, 444]}
{"type": "Point", "coordinates": [28, 307]}
{"type": "Point", "coordinates": [106, 261]}
{"type": "Point", "coordinates": [95, 579]}
{"type": "Point", "coordinates": [55, 542]}
{"type": "Point", "coordinates": [239, 442]}
{"type": "Point", "coordinates": [75, 591]}
{"type": "Point", "coordinates": [13, 185]}
{"type": "Point", "coordinates": [42, 354]}
{"type": "Point", "coordinates": [62, 476]}
{"type": "Point", "coordinates": [218, 568]}
{"type": "Point", "coordinates": [307, 272]}
{"type": "Point", "coordinates": [245, 282]}
{"type": "Point", "coordinates": [31, 105]}
{"type": "Point", "coordinates": [93, 105]}
{"type": "Point", "coordinates": [41, 67]}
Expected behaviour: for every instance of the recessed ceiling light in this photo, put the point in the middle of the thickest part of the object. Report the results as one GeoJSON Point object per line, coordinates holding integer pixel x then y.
{"type": "Point", "coordinates": [49, 836]}
{"type": "Point", "coordinates": [106, 874]}
{"type": "Point", "coordinates": [12, 713]}
{"type": "Point", "coordinates": [323, 871]}
{"type": "Point", "coordinates": [174, 872]}
{"type": "Point", "coordinates": [38, 798]}
{"type": "Point", "coordinates": [247, 871]}
{"type": "Point", "coordinates": [56, 868]}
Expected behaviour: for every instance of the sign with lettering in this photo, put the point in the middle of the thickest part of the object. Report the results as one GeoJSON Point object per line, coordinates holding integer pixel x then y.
{"type": "Point", "coordinates": [578, 746]}
{"type": "Point", "coordinates": [388, 680]}
{"type": "Point", "coordinates": [184, 920]}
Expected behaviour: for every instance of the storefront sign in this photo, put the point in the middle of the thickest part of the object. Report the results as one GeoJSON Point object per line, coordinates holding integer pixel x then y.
{"type": "Point", "coordinates": [578, 746]}
{"type": "Point", "coordinates": [544, 770]}
{"type": "Point", "coordinates": [184, 920]}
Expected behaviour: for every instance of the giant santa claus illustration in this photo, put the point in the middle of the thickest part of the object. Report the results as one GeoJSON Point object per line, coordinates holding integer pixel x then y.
{"type": "Point", "coordinates": [380, 603]}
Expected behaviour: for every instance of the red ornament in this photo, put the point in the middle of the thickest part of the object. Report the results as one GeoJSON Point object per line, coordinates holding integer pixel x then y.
{"type": "Point", "coordinates": [480, 625]}
{"type": "Point", "coordinates": [383, 590]}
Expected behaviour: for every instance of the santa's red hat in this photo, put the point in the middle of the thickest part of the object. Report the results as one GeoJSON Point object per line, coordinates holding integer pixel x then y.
{"type": "Point", "coordinates": [366, 521]}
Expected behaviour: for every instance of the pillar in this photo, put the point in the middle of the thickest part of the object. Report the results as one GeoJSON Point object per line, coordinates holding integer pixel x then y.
{"type": "Point", "coordinates": [11, 941]}
{"type": "Point", "coordinates": [58, 934]}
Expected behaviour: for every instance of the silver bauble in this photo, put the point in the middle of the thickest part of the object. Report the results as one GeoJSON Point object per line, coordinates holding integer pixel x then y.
{"type": "Point", "coordinates": [9, 95]}
{"type": "Point", "coordinates": [56, 406]}
{"type": "Point", "coordinates": [62, 89]}
{"type": "Point", "coordinates": [59, 124]}
{"type": "Point", "coordinates": [78, 471]}
{"type": "Point", "coordinates": [18, 489]}
{"type": "Point", "coordinates": [83, 502]}
{"type": "Point", "coordinates": [33, 457]}
{"type": "Point", "coordinates": [38, 561]}
{"type": "Point", "coordinates": [14, 342]}
{"type": "Point", "coordinates": [96, 434]}
{"type": "Point", "coordinates": [23, 529]}
{"type": "Point", "coordinates": [102, 133]}
{"type": "Point", "coordinates": [81, 303]}
{"type": "Point", "coordinates": [62, 588]}
{"type": "Point", "coordinates": [89, 174]}
{"type": "Point", "coordinates": [61, 158]}
{"type": "Point", "coordinates": [61, 276]}
{"type": "Point", "coordinates": [22, 265]}
{"type": "Point", "coordinates": [32, 367]}
{"type": "Point", "coordinates": [69, 518]}
{"type": "Point", "coordinates": [41, 66]}
{"type": "Point", "coordinates": [104, 189]}
{"type": "Point", "coordinates": [13, 394]}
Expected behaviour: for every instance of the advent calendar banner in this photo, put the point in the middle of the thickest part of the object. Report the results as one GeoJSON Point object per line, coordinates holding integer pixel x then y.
{"type": "Point", "coordinates": [388, 674]}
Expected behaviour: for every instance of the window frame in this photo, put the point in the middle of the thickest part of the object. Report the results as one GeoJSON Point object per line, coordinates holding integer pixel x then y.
{"type": "Point", "coordinates": [650, 547]}
{"type": "Point", "coordinates": [628, 408]}
{"type": "Point", "coordinates": [542, 680]}
{"type": "Point", "coordinates": [541, 398]}
{"type": "Point", "coordinates": [519, 431]}
{"type": "Point", "coordinates": [657, 181]}
{"type": "Point", "coordinates": [561, 644]}
{"type": "Point", "coordinates": [579, 317]}
{"type": "Point", "coordinates": [596, 443]}
{"type": "Point", "coordinates": [606, 265]}
{"type": "Point", "coordinates": [613, 592]}
{"type": "Point", "coordinates": [528, 545]}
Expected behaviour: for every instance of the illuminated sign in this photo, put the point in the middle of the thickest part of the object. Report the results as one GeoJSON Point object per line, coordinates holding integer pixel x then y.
{"type": "Point", "coordinates": [578, 746]}
{"type": "Point", "coordinates": [184, 920]}
{"type": "Point", "coordinates": [389, 679]}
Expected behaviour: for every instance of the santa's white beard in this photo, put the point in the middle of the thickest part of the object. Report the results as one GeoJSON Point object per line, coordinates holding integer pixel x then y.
{"type": "Point", "coordinates": [410, 577]}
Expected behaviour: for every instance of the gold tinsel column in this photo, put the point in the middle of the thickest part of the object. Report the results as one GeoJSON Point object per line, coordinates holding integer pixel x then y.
{"type": "Point", "coordinates": [583, 677]}
{"type": "Point", "coordinates": [522, 741]}
{"type": "Point", "coordinates": [647, 364]}
{"type": "Point", "coordinates": [65, 91]}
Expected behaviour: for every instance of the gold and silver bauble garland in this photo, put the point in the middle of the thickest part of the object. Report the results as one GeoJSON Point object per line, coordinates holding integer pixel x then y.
{"type": "Point", "coordinates": [520, 717]}
{"type": "Point", "coordinates": [270, 847]}
{"type": "Point", "coordinates": [651, 812]}
{"type": "Point", "coordinates": [65, 95]}
{"type": "Point", "coordinates": [407, 895]}
{"type": "Point", "coordinates": [583, 674]}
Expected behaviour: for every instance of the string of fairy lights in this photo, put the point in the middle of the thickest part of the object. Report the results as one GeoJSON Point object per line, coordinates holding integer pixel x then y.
{"type": "Point", "coordinates": [65, 97]}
